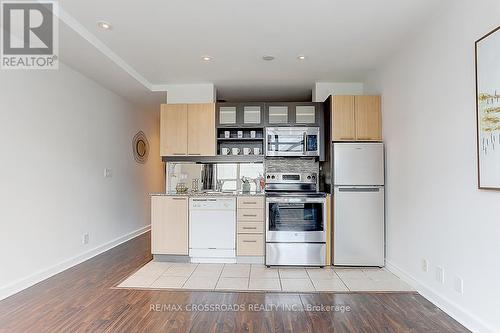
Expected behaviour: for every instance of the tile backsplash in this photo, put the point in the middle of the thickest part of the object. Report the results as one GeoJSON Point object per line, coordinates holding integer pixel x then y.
{"type": "Point", "coordinates": [292, 165]}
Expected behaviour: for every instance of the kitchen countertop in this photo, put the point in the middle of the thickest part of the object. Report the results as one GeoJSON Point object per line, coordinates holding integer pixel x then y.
{"type": "Point", "coordinates": [210, 194]}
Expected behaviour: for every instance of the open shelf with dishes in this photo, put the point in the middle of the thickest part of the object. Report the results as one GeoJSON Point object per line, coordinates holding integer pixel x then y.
{"type": "Point", "coordinates": [236, 142]}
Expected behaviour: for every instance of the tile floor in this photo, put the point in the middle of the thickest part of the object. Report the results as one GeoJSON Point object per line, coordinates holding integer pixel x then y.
{"type": "Point", "coordinates": [246, 277]}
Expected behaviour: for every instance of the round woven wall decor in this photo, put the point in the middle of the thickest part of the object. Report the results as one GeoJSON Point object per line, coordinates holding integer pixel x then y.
{"type": "Point", "coordinates": [140, 146]}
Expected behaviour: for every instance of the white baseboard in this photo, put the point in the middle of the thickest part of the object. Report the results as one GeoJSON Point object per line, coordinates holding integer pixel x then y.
{"type": "Point", "coordinates": [41, 275]}
{"type": "Point", "coordinates": [454, 310]}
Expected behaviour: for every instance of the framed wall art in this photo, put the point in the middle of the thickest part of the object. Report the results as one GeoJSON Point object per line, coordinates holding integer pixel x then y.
{"type": "Point", "coordinates": [488, 109]}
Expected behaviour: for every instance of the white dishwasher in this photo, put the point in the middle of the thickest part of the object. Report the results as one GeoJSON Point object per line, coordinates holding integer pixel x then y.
{"type": "Point", "coordinates": [212, 229]}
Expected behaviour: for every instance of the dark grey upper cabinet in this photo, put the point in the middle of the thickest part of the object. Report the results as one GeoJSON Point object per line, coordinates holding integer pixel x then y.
{"type": "Point", "coordinates": [240, 115]}
{"type": "Point", "coordinates": [227, 114]}
{"type": "Point", "coordinates": [252, 114]}
{"type": "Point", "coordinates": [278, 114]}
{"type": "Point", "coordinates": [306, 114]}
{"type": "Point", "coordinates": [255, 114]}
{"type": "Point", "coordinates": [293, 114]}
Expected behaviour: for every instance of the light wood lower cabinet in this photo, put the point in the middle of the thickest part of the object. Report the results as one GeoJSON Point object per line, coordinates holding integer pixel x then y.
{"type": "Point", "coordinates": [250, 226]}
{"type": "Point", "coordinates": [250, 245]}
{"type": "Point", "coordinates": [251, 202]}
{"type": "Point", "coordinates": [329, 224]}
{"type": "Point", "coordinates": [251, 214]}
{"type": "Point", "coordinates": [169, 225]}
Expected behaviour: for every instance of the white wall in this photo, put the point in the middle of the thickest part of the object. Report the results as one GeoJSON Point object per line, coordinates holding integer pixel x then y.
{"type": "Point", "coordinates": [322, 90]}
{"type": "Point", "coordinates": [434, 209]}
{"type": "Point", "coordinates": [59, 130]}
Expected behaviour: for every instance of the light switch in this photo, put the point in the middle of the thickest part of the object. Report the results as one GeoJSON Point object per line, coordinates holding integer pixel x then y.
{"type": "Point", "coordinates": [459, 285]}
{"type": "Point", "coordinates": [440, 274]}
{"type": "Point", "coordinates": [425, 265]}
{"type": "Point", "coordinates": [108, 173]}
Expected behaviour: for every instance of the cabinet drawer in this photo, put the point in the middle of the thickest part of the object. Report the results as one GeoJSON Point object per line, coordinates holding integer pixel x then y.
{"type": "Point", "coordinates": [250, 245]}
{"type": "Point", "coordinates": [251, 202]}
{"type": "Point", "coordinates": [250, 214]}
{"type": "Point", "coordinates": [251, 227]}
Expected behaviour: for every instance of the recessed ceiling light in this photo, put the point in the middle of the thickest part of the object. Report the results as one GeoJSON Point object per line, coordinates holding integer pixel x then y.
{"type": "Point", "coordinates": [301, 57]}
{"type": "Point", "coordinates": [104, 25]}
{"type": "Point", "coordinates": [268, 57]}
{"type": "Point", "coordinates": [206, 58]}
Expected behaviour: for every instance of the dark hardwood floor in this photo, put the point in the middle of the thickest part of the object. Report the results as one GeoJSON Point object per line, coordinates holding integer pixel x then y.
{"type": "Point", "coordinates": [80, 299]}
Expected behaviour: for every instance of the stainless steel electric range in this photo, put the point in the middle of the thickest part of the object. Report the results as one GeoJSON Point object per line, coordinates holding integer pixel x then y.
{"type": "Point", "coordinates": [295, 220]}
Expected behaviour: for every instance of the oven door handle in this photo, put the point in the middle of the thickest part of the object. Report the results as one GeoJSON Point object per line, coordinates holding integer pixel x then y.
{"type": "Point", "coordinates": [296, 200]}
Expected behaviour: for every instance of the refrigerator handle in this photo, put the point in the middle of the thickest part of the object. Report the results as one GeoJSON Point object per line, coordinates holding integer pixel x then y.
{"type": "Point", "coordinates": [359, 189]}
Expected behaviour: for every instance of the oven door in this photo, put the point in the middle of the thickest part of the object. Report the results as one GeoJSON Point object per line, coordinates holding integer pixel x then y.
{"type": "Point", "coordinates": [295, 219]}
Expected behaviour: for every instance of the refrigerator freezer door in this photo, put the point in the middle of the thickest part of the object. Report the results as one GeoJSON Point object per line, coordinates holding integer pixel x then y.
{"type": "Point", "coordinates": [358, 164]}
{"type": "Point", "coordinates": [359, 226]}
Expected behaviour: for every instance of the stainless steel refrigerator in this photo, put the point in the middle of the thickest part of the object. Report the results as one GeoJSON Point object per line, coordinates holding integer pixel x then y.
{"type": "Point", "coordinates": [359, 223]}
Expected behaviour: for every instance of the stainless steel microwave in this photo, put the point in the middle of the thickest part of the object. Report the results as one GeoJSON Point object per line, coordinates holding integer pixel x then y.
{"type": "Point", "coordinates": [292, 141]}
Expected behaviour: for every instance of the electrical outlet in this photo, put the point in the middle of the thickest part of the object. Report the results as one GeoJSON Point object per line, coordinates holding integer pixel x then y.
{"type": "Point", "coordinates": [440, 274]}
{"type": "Point", "coordinates": [459, 285]}
{"type": "Point", "coordinates": [425, 265]}
{"type": "Point", "coordinates": [85, 238]}
{"type": "Point", "coordinates": [108, 173]}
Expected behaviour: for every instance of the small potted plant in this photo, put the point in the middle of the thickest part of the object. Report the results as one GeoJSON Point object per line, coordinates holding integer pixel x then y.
{"type": "Point", "coordinates": [245, 185]}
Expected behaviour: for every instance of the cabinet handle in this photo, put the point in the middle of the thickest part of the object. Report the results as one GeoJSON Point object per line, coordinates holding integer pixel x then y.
{"type": "Point", "coordinates": [249, 228]}
{"type": "Point", "coordinates": [249, 241]}
{"type": "Point", "coordinates": [347, 138]}
{"type": "Point", "coordinates": [197, 154]}
{"type": "Point", "coordinates": [249, 202]}
{"type": "Point", "coordinates": [179, 198]}
{"type": "Point", "coordinates": [365, 138]}
{"type": "Point", "coordinates": [250, 215]}
{"type": "Point", "coordinates": [180, 154]}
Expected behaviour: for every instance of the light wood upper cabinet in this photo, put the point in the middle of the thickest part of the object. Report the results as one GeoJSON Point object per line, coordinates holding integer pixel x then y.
{"type": "Point", "coordinates": [187, 129]}
{"type": "Point", "coordinates": [343, 123]}
{"type": "Point", "coordinates": [201, 129]}
{"type": "Point", "coordinates": [356, 118]}
{"type": "Point", "coordinates": [173, 129]}
{"type": "Point", "coordinates": [368, 118]}
{"type": "Point", "coordinates": [169, 225]}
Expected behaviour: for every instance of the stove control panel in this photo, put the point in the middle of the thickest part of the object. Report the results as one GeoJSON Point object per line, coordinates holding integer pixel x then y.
{"type": "Point", "coordinates": [294, 178]}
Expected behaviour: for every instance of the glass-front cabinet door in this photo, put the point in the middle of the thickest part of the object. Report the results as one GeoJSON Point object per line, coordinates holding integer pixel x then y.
{"type": "Point", "coordinates": [305, 114]}
{"type": "Point", "coordinates": [277, 114]}
{"type": "Point", "coordinates": [240, 114]}
{"type": "Point", "coordinates": [252, 114]}
{"type": "Point", "coordinates": [227, 114]}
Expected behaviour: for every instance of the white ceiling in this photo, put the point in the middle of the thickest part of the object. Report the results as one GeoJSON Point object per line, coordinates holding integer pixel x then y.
{"type": "Point", "coordinates": [163, 40]}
